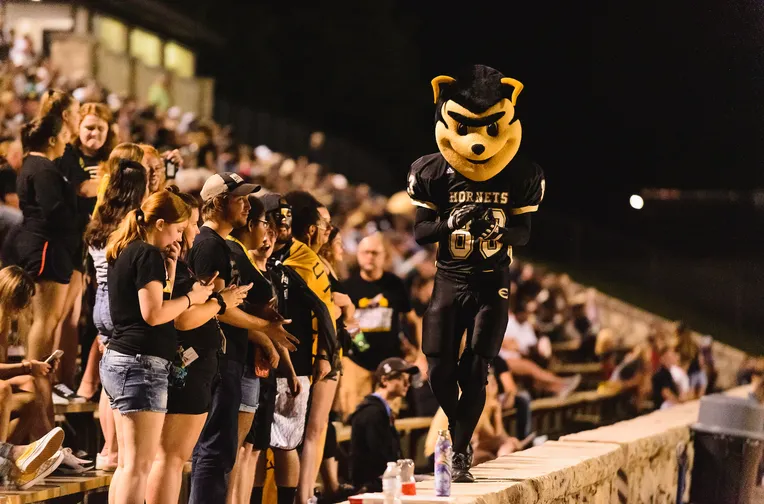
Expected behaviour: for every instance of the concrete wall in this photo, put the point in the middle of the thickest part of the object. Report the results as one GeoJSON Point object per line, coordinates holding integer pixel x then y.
{"type": "Point", "coordinates": [630, 462]}
{"type": "Point", "coordinates": [81, 56]}
{"type": "Point", "coordinates": [114, 71]}
{"type": "Point", "coordinates": [187, 94]}
{"type": "Point", "coordinates": [74, 55]}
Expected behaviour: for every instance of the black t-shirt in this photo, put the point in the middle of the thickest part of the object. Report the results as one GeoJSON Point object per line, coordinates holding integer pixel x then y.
{"type": "Point", "coordinates": [72, 166]}
{"type": "Point", "coordinates": [379, 306]}
{"type": "Point", "coordinates": [203, 342]}
{"type": "Point", "coordinates": [7, 181]}
{"type": "Point", "coordinates": [208, 255]}
{"type": "Point", "coordinates": [137, 265]}
{"type": "Point", "coordinates": [662, 379]}
{"type": "Point", "coordinates": [47, 199]}
{"type": "Point", "coordinates": [517, 189]}
{"type": "Point", "coordinates": [245, 272]}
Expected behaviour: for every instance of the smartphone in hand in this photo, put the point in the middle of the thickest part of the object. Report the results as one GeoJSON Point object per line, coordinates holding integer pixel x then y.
{"type": "Point", "coordinates": [54, 356]}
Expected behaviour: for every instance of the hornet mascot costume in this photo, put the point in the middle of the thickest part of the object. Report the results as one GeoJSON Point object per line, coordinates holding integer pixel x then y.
{"type": "Point", "coordinates": [474, 199]}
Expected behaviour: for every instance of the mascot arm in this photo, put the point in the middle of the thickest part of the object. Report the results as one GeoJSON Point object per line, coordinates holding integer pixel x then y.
{"type": "Point", "coordinates": [428, 227]}
{"type": "Point", "coordinates": [518, 230]}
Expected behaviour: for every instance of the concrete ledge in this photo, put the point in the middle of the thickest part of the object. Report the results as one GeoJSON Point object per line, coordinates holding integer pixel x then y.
{"type": "Point", "coordinates": [650, 469]}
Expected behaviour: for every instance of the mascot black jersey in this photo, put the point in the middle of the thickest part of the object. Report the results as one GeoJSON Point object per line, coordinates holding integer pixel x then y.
{"type": "Point", "coordinates": [517, 189]}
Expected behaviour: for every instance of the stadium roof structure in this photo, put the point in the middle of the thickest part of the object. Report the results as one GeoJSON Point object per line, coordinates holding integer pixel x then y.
{"type": "Point", "coordinates": [161, 18]}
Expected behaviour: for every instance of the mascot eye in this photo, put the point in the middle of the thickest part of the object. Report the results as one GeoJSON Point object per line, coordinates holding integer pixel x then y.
{"type": "Point", "coordinates": [461, 129]}
{"type": "Point", "coordinates": [493, 129]}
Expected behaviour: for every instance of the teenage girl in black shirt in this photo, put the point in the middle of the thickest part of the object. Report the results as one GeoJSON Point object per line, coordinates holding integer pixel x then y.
{"type": "Point", "coordinates": [93, 142]}
{"type": "Point", "coordinates": [39, 246]}
{"type": "Point", "coordinates": [142, 255]}
{"type": "Point", "coordinates": [62, 105]}
{"type": "Point", "coordinates": [195, 364]}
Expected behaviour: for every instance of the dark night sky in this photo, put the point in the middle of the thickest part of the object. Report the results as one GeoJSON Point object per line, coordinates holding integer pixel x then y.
{"type": "Point", "coordinates": [619, 95]}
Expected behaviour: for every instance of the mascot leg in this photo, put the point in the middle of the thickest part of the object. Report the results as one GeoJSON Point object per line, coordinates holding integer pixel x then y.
{"type": "Point", "coordinates": [483, 345]}
{"type": "Point", "coordinates": [441, 337]}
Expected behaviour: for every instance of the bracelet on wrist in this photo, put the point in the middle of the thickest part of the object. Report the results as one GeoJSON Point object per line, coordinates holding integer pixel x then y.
{"type": "Point", "coordinates": [219, 298]}
{"type": "Point", "coordinates": [189, 301]}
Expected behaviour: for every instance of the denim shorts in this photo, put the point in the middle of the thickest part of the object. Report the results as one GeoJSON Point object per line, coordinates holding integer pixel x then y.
{"type": "Point", "coordinates": [250, 393]}
{"type": "Point", "coordinates": [102, 314]}
{"type": "Point", "coordinates": [135, 382]}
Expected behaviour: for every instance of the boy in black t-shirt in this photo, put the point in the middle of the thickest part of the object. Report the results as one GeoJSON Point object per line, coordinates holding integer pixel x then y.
{"type": "Point", "coordinates": [225, 207]}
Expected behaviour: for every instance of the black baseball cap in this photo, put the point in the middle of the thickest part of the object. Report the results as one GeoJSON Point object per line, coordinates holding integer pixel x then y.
{"type": "Point", "coordinates": [226, 183]}
{"type": "Point", "coordinates": [394, 365]}
{"type": "Point", "coordinates": [273, 201]}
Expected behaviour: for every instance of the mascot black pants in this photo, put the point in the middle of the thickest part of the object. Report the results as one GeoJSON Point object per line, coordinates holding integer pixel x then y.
{"type": "Point", "coordinates": [477, 303]}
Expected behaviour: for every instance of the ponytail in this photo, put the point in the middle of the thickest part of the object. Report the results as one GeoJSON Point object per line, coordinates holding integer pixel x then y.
{"type": "Point", "coordinates": [35, 134]}
{"type": "Point", "coordinates": [127, 232]}
{"type": "Point", "coordinates": [54, 103]}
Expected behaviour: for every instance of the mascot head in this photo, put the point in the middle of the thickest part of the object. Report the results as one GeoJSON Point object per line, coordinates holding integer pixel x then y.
{"type": "Point", "coordinates": [475, 124]}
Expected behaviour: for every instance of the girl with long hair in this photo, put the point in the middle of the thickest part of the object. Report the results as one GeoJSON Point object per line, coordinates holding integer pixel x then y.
{"type": "Point", "coordinates": [332, 255]}
{"type": "Point", "coordinates": [194, 367]}
{"type": "Point", "coordinates": [81, 164]}
{"type": "Point", "coordinates": [40, 245]}
{"type": "Point", "coordinates": [142, 255]}
{"type": "Point", "coordinates": [126, 191]}
{"type": "Point", "coordinates": [18, 393]}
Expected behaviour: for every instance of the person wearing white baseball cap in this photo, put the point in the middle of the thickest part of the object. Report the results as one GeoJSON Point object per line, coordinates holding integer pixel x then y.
{"type": "Point", "coordinates": [227, 183]}
{"type": "Point", "coordinates": [225, 207]}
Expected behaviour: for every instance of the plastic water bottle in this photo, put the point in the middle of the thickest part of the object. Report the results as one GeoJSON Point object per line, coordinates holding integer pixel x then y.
{"type": "Point", "coordinates": [408, 483]}
{"type": "Point", "coordinates": [443, 455]}
{"type": "Point", "coordinates": [391, 484]}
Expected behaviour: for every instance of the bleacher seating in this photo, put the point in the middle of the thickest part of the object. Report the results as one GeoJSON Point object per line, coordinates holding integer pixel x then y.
{"type": "Point", "coordinates": [89, 488]}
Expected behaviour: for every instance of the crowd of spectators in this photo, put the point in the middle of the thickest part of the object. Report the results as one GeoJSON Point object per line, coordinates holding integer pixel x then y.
{"type": "Point", "coordinates": [385, 276]}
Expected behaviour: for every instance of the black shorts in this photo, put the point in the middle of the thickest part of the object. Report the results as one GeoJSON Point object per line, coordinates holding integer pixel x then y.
{"type": "Point", "coordinates": [477, 303]}
{"type": "Point", "coordinates": [195, 396]}
{"type": "Point", "coordinates": [41, 258]}
{"type": "Point", "coordinates": [259, 435]}
{"type": "Point", "coordinates": [77, 250]}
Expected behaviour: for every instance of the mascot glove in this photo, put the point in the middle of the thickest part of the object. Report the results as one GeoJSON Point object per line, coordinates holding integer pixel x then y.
{"type": "Point", "coordinates": [486, 229]}
{"type": "Point", "coordinates": [462, 215]}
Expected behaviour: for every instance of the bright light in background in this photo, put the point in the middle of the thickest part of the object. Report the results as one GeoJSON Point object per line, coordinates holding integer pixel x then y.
{"type": "Point", "coordinates": [636, 202]}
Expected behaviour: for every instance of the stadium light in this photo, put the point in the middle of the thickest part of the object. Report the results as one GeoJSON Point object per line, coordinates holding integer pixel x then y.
{"type": "Point", "coordinates": [636, 202]}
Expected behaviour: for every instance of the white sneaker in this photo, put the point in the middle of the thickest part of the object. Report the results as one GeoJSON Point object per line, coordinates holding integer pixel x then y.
{"type": "Point", "coordinates": [68, 394]}
{"type": "Point", "coordinates": [73, 464]}
{"type": "Point", "coordinates": [59, 401]}
{"type": "Point", "coordinates": [103, 464]}
{"type": "Point", "coordinates": [28, 480]}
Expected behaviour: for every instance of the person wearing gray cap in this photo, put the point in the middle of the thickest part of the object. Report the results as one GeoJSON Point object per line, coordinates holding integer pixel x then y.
{"type": "Point", "coordinates": [225, 207]}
